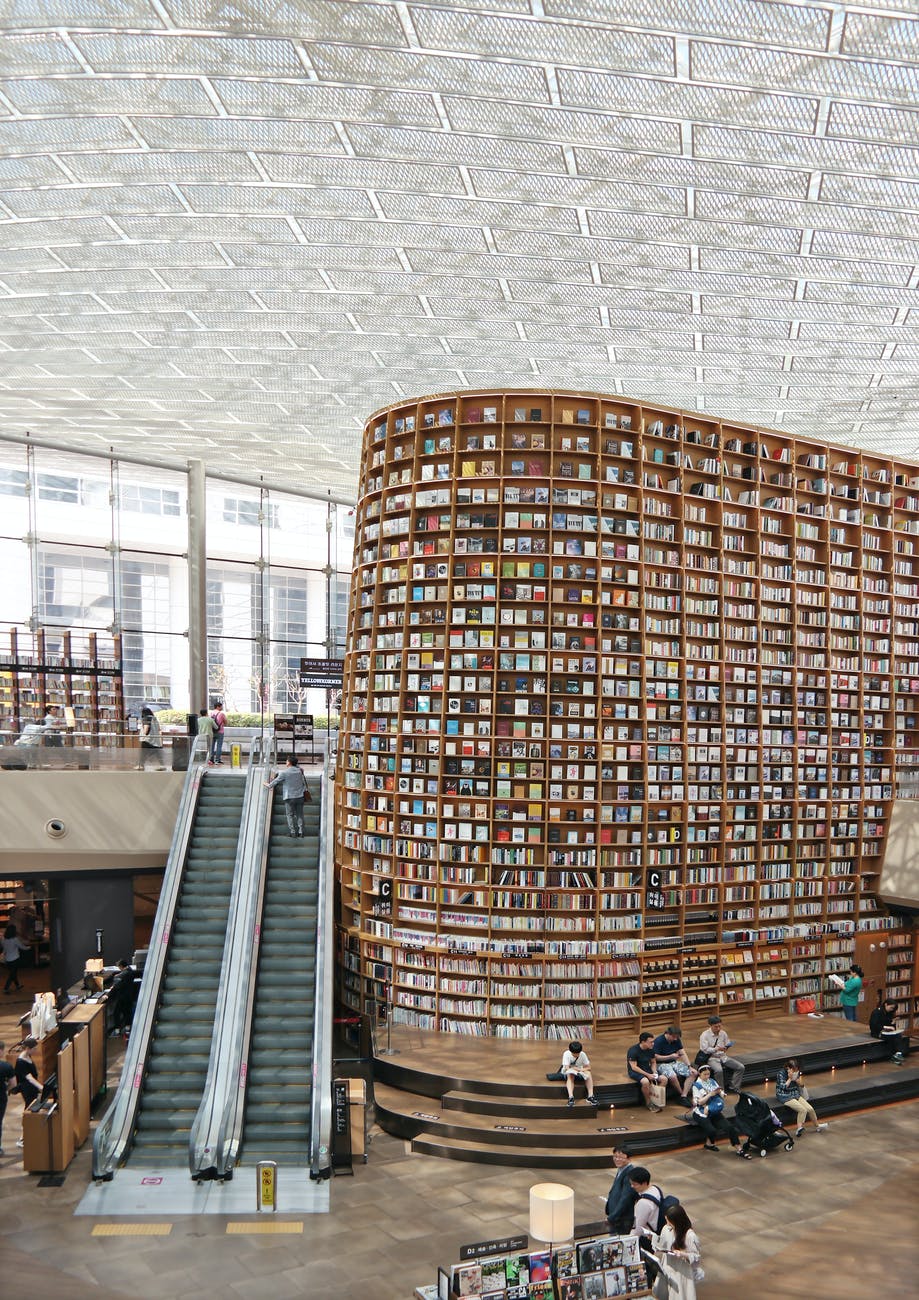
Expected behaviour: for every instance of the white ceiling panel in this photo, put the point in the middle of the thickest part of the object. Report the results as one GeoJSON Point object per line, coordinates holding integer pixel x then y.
{"type": "Point", "coordinates": [232, 231]}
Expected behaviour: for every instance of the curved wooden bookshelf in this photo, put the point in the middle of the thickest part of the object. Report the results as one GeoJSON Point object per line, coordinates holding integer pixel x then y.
{"type": "Point", "coordinates": [626, 696]}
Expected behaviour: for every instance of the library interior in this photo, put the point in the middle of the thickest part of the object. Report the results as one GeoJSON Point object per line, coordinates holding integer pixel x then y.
{"type": "Point", "coordinates": [459, 647]}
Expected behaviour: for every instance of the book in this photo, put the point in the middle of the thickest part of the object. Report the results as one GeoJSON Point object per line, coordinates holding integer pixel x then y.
{"type": "Point", "coordinates": [466, 1279]}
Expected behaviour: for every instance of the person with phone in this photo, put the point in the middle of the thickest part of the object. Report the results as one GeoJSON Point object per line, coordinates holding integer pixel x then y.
{"type": "Point", "coordinates": [713, 1048]}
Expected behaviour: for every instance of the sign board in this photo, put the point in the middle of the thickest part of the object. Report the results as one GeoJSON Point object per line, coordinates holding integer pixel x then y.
{"type": "Point", "coordinates": [324, 673]}
{"type": "Point", "coordinates": [654, 892]}
{"type": "Point", "coordinates": [505, 1246]}
{"type": "Point", "coordinates": [341, 1128]}
{"type": "Point", "coordinates": [293, 734]}
{"type": "Point", "coordinates": [266, 1173]}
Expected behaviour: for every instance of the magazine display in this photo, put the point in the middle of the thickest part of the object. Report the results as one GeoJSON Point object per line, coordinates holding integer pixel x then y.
{"type": "Point", "coordinates": [589, 1270]}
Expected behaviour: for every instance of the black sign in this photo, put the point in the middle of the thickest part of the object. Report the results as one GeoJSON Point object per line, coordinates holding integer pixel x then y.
{"type": "Point", "coordinates": [420, 1114]}
{"type": "Point", "coordinates": [506, 1246]}
{"type": "Point", "coordinates": [510, 1128]}
{"type": "Point", "coordinates": [619, 1128]}
{"type": "Point", "coordinates": [326, 673]}
{"type": "Point", "coordinates": [654, 892]}
{"type": "Point", "coordinates": [341, 1128]}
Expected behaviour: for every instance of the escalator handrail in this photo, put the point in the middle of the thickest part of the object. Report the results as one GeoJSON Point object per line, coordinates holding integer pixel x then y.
{"type": "Point", "coordinates": [210, 1140]}
{"type": "Point", "coordinates": [321, 1093]}
{"type": "Point", "coordinates": [113, 1135]}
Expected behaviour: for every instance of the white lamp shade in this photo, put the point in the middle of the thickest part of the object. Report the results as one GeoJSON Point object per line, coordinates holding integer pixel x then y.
{"type": "Point", "coordinates": [551, 1212]}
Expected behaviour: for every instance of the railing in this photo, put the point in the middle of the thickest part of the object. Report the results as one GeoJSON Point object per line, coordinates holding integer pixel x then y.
{"type": "Point", "coordinates": [217, 1129]}
{"type": "Point", "coordinates": [113, 1135]}
{"type": "Point", "coordinates": [321, 1098]}
{"type": "Point", "coordinates": [116, 757]}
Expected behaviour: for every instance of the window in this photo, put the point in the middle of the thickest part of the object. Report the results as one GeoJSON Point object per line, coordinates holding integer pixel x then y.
{"type": "Point", "coordinates": [55, 487]}
{"type": "Point", "coordinates": [236, 510]}
{"type": "Point", "coordinates": [14, 482]}
{"type": "Point", "coordinates": [150, 500]}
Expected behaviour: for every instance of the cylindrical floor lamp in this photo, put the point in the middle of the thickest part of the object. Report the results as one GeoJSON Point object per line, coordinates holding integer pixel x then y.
{"type": "Point", "coordinates": [551, 1212]}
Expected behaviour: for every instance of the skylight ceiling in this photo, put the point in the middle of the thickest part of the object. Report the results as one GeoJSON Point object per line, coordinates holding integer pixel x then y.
{"type": "Point", "coordinates": [232, 230]}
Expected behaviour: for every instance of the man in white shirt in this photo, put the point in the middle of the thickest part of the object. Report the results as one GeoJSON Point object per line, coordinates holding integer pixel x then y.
{"type": "Point", "coordinates": [714, 1043]}
{"type": "Point", "coordinates": [575, 1066]}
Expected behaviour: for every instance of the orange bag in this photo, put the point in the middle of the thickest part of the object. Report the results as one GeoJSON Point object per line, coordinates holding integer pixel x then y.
{"type": "Point", "coordinates": [804, 1006]}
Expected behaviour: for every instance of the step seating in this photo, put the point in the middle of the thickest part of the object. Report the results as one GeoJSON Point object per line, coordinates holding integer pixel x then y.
{"type": "Point", "coordinates": [511, 1124]}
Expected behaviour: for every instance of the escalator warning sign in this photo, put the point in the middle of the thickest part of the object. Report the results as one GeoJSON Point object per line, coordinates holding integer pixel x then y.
{"type": "Point", "coordinates": [267, 1174]}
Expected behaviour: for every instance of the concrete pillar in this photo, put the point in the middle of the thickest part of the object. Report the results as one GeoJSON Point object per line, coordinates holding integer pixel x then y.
{"type": "Point", "coordinates": [197, 587]}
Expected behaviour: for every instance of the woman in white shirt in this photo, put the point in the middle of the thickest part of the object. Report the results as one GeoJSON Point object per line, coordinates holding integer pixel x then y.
{"type": "Point", "coordinates": [576, 1065]}
{"type": "Point", "coordinates": [679, 1255]}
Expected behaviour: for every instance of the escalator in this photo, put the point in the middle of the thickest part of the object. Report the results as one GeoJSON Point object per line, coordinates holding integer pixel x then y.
{"type": "Point", "coordinates": [278, 1094]}
{"type": "Point", "coordinates": [180, 1042]}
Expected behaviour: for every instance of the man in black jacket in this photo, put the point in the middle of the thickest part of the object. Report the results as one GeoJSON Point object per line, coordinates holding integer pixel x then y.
{"type": "Point", "coordinates": [620, 1204]}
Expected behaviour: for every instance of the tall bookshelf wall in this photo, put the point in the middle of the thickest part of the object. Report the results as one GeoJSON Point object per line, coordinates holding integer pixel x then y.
{"type": "Point", "coordinates": [627, 694]}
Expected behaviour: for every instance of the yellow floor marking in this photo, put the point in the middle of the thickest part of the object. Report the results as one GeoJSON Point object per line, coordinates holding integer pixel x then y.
{"type": "Point", "coordinates": [269, 1225]}
{"type": "Point", "coordinates": [132, 1230]}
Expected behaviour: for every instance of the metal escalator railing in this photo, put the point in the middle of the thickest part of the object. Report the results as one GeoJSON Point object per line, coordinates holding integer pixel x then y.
{"type": "Point", "coordinates": [321, 1097]}
{"type": "Point", "coordinates": [214, 1138]}
{"type": "Point", "coordinates": [113, 1134]}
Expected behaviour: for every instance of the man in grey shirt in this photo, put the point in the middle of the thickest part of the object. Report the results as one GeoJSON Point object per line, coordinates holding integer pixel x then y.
{"type": "Point", "coordinates": [293, 792]}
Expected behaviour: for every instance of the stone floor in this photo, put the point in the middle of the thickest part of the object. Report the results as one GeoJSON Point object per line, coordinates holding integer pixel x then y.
{"type": "Point", "coordinates": [837, 1217]}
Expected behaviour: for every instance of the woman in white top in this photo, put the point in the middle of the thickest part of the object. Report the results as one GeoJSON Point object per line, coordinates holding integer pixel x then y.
{"type": "Point", "coordinates": [576, 1065]}
{"type": "Point", "coordinates": [679, 1255]}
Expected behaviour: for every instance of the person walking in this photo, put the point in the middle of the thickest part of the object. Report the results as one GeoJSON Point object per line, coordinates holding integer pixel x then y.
{"type": "Point", "coordinates": [708, 1113]}
{"type": "Point", "coordinates": [679, 1257]}
{"type": "Point", "coordinates": [293, 792]}
{"type": "Point", "coordinates": [851, 992]}
{"type": "Point", "coordinates": [219, 719]}
{"type": "Point", "coordinates": [713, 1046]}
{"type": "Point", "coordinates": [791, 1092]}
{"type": "Point", "coordinates": [151, 741]}
{"type": "Point", "coordinates": [576, 1069]}
{"type": "Point", "coordinates": [206, 728]}
{"type": "Point", "coordinates": [620, 1204]}
{"type": "Point", "coordinates": [13, 948]}
{"type": "Point", "coordinates": [7, 1075]}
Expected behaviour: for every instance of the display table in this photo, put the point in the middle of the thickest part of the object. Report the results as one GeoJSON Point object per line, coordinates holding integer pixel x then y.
{"type": "Point", "coordinates": [90, 1015]}
{"type": "Point", "coordinates": [48, 1133]}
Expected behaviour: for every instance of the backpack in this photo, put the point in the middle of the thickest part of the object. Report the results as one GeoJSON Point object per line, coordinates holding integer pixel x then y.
{"type": "Point", "coordinates": [663, 1205]}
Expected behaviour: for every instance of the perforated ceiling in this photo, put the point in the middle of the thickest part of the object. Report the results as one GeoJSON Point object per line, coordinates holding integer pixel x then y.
{"type": "Point", "coordinates": [231, 230]}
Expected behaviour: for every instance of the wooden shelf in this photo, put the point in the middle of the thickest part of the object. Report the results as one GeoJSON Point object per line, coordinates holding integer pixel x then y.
{"type": "Point", "coordinates": [80, 672]}
{"type": "Point", "coordinates": [592, 640]}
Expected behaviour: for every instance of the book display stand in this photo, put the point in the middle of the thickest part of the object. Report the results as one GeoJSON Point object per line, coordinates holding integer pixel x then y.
{"type": "Point", "coordinates": [627, 695]}
{"type": "Point", "coordinates": [80, 672]}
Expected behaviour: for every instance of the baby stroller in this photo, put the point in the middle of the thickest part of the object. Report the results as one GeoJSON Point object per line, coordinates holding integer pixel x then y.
{"type": "Point", "coordinates": [760, 1127]}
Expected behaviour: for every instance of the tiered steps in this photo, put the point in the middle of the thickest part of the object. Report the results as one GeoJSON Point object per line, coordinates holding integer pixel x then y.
{"type": "Point", "coordinates": [493, 1120]}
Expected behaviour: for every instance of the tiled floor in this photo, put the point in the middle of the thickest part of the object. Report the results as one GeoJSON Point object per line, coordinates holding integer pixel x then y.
{"type": "Point", "coordinates": [837, 1217]}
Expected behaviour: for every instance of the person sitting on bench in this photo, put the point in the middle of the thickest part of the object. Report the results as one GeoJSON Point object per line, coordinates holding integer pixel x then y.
{"type": "Point", "coordinates": [576, 1066]}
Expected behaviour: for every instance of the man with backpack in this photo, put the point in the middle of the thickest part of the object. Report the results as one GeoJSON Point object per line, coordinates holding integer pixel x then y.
{"type": "Point", "coordinates": [651, 1206]}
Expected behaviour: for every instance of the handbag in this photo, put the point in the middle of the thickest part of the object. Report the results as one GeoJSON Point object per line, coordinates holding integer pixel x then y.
{"type": "Point", "coordinates": [700, 1058]}
{"type": "Point", "coordinates": [715, 1104]}
{"type": "Point", "coordinates": [804, 1006]}
{"type": "Point", "coordinates": [657, 1094]}
{"type": "Point", "coordinates": [557, 1076]}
